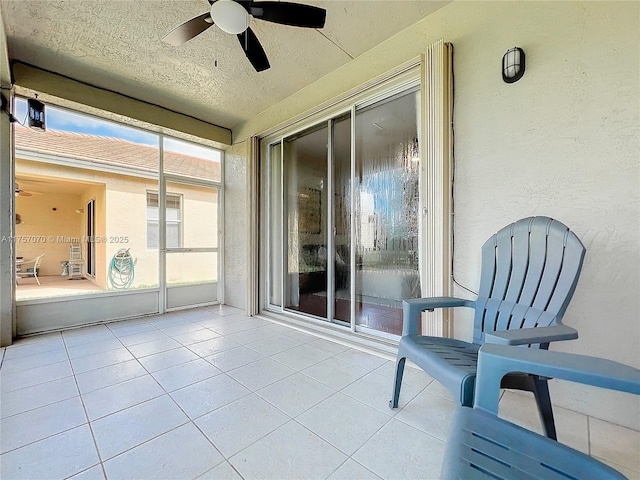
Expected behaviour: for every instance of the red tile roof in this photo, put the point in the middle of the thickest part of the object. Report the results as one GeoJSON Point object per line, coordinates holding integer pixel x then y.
{"type": "Point", "coordinates": [113, 152]}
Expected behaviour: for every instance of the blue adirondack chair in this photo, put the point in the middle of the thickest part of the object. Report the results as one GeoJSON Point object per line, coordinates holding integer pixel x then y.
{"type": "Point", "coordinates": [529, 273]}
{"type": "Point", "coordinates": [482, 446]}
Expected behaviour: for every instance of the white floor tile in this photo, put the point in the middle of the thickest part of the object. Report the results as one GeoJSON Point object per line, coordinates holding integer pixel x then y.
{"type": "Point", "coordinates": [120, 396]}
{"type": "Point", "coordinates": [429, 413]}
{"type": "Point", "coordinates": [401, 451]}
{"type": "Point", "coordinates": [375, 390]}
{"type": "Point", "coordinates": [224, 471]}
{"type": "Point", "coordinates": [26, 399]}
{"type": "Point", "coordinates": [615, 444]}
{"type": "Point", "coordinates": [300, 357]}
{"type": "Point", "coordinates": [270, 329]}
{"type": "Point", "coordinates": [59, 456]}
{"type": "Point", "coordinates": [93, 473]}
{"type": "Point", "coordinates": [361, 359]}
{"type": "Point", "coordinates": [160, 361]}
{"type": "Point", "coordinates": [352, 470]}
{"type": "Point", "coordinates": [411, 376]}
{"type": "Point", "coordinates": [248, 336]}
{"type": "Point", "coordinates": [156, 346]}
{"type": "Point", "coordinates": [123, 430]}
{"type": "Point", "coordinates": [130, 328]}
{"type": "Point", "coordinates": [34, 376]}
{"type": "Point", "coordinates": [296, 393]}
{"type": "Point", "coordinates": [21, 348]}
{"type": "Point", "coordinates": [183, 453]}
{"type": "Point", "coordinates": [343, 422]}
{"type": "Point", "coordinates": [272, 345]}
{"type": "Point", "coordinates": [234, 358]}
{"type": "Point", "coordinates": [228, 327]}
{"type": "Point", "coordinates": [332, 348]}
{"type": "Point", "coordinates": [259, 374]}
{"type": "Point", "coordinates": [28, 427]}
{"type": "Point", "coordinates": [99, 360]}
{"type": "Point", "coordinates": [185, 374]}
{"type": "Point", "coordinates": [22, 364]}
{"type": "Point", "coordinates": [106, 376]}
{"type": "Point", "coordinates": [143, 337]}
{"type": "Point", "coordinates": [240, 423]}
{"type": "Point", "coordinates": [208, 395]}
{"type": "Point", "coordinates": [335, 373]}
{"type": "Point", "coordinates": [298, 337]}
{"type": "Point", "coordinates": [82, 336]}
{"type": "Point", "coordinates": [181, 329]}
{"type": "Point", "coordinates": [95, 347]}
{"type": "Point", "coordinates": [213, 346]}
{"type": "Point", "coordinates": [630, 474]}
{"type": "Point", "coordinates": [290, 452]}
{"type": "Point", "coordinates": [196, 336]}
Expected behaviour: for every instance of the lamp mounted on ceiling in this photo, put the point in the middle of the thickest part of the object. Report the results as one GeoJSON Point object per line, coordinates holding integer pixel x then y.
{"type": "Point", "coordinates": [513, 65]}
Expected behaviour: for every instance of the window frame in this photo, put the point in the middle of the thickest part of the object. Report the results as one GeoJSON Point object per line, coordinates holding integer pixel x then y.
{"type": "Point", "coordinates": [179, 222]}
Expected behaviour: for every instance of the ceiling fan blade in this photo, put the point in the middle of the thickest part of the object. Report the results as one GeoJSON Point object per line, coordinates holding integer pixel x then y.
{"type": "Point", "coordinates": [188, 30]}
{"type": "Point", "coordinates": [253, 50]}
{"type": "Point", "coordinates": [287, 13]}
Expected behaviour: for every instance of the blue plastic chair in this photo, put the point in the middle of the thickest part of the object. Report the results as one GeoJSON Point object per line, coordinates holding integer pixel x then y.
{"type": "Point", "coordinates": [483, 446]}
{"type": "Point", "coordinates": [529, 273]}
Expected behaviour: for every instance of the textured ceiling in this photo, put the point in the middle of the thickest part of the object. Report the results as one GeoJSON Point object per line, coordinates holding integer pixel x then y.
{"type": "Point", "coordinates": [116, 44]}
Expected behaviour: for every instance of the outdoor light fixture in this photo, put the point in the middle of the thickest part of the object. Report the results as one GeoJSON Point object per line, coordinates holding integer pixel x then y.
{"type": "Point", "coordinates": [230, 16]}
{"type": "Point", "coordinates": [36, 114]}
{"type": "Point", "coordinates": [513, 65]}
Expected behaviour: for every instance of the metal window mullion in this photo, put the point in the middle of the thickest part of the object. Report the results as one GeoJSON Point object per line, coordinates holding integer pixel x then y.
{"type": "Point", "coordinates": [283, 231]}
{"type": "Point", "coordinates": [162, 228]}
{"type": "Point", "coordinates": [330, 221]}
{"type": "Point", "coordinates": [352, 222]}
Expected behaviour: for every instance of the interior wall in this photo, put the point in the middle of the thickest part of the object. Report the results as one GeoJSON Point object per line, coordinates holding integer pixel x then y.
{"type": "Point", "coordinates": [562, 142]}
{"type": "Point", "coordinates": [235, 227]}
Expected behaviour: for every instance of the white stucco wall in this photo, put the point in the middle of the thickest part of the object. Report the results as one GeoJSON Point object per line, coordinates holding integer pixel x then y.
{"type": "Point", "coordinates": [563, 142]}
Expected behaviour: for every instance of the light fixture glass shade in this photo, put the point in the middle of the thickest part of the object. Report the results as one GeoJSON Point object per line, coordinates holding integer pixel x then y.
{"type": "Point", "coordinates": [230, 16]}
{"type": "Point", "coordinates": [513, 65]}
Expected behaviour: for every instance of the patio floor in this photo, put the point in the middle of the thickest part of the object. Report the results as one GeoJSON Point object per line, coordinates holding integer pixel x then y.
{"type": "Point", "coordinates": [211, 393]}
{"type": "Point", "coordinates": [53, 286]}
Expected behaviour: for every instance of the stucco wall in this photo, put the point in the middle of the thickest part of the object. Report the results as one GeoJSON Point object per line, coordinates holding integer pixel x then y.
{"type": "Point", "coordinates": [121, 220]}
{"type": "Point", "coordinates": [235, 227]}
{"type": "Point", "coordinates": [563, 142]}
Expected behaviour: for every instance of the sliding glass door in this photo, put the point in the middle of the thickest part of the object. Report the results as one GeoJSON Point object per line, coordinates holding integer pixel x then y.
{"type": "Point", "coordinates": [343, 216]}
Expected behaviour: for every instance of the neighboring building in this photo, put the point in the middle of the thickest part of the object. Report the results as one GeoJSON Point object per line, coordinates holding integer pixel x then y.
{"type": "Point", "coordinates": [69, 184]}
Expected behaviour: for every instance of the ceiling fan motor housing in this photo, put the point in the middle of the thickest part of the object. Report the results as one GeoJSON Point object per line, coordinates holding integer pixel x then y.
{"type": "Point", "coordinates": [230, 16]}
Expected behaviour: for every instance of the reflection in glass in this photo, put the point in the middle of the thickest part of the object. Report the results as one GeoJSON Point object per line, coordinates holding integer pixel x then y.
{"type": "Point", "coordinates": [275, 225]}
{"type": "Point", "coordinates": [342, 217]}
{"type": "Point", "coordinates": [387, 211]}
{"type": "Point", "coordinates": [305, 171]}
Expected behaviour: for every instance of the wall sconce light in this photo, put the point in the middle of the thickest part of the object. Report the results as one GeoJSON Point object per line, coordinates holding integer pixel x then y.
{"type": "Point", "coordinates": [513, 65]}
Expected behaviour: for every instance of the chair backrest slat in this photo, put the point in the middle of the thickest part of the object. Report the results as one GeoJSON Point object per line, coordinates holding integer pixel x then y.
{"type": "Point", "coordinates": [529, 273]}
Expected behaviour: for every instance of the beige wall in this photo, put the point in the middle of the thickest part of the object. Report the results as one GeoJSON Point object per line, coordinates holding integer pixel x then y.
{"type": "Point", "coordinates": [563, 141]}
{"type": "Point", "coordinates": [121, 219]}
{"type": "Point", "coordinates": [45, 220]}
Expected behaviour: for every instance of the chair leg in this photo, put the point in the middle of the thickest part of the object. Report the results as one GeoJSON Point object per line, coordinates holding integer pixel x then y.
{"type": "Point", "coordinates": [397, 383]}
{"type": "Point", "coordinates": [541, 392]}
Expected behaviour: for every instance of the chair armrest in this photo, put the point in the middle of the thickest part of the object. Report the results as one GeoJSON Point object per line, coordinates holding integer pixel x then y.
{"type": "Point", "coordinates": [412, 308]}
{"type": "Point", "coordinates": [527, 336]}
{"type": "Point", "coordinates": [495, 361]}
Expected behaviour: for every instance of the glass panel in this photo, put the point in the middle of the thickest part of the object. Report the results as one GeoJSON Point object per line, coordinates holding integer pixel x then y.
{"type": "Point", "coordinates": [275, 225]}
{"type": "Point", "coordinates": [83, 184]}
{"type": "Point", "coordinates": [191, 268]}
{"type": "Point", "coordinates": [305, 170]}
{"type": "Point", "coordinates": [191, 160]}
{"type": "Point", "coordinates": [192, 216]}
{"type": "Point", "coordinates": [387, 209]}
{"type": "Point", "coordinates": [342, 217]}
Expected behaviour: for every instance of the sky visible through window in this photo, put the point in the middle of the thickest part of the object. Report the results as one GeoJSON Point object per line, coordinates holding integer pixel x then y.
{"type": "Point", "coordinates": [67, 121]}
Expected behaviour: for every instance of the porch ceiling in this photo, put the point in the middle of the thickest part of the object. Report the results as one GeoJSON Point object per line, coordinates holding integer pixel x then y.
{"type": "Point", "coordinates": [117, 45]}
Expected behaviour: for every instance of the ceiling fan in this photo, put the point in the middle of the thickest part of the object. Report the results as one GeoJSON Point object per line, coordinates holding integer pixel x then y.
{"type": "Point", "coordinates": [25, 193]}
{"type": "Point", "coordinates": [232, 16]}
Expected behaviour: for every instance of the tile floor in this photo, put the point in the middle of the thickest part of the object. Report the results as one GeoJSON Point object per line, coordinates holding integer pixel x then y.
{"type": "Point", "coordinates": [213, 394]}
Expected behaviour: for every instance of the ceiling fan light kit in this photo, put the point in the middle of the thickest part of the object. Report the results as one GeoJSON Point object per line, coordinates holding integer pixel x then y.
{"type": "Point", "coordinates": [230, 16]}
{"type": "Point", "coordinates": [233, 17]}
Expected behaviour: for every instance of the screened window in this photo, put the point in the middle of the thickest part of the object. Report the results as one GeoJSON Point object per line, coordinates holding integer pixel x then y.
{"type": "Point", "coordinates": [174, 221]}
